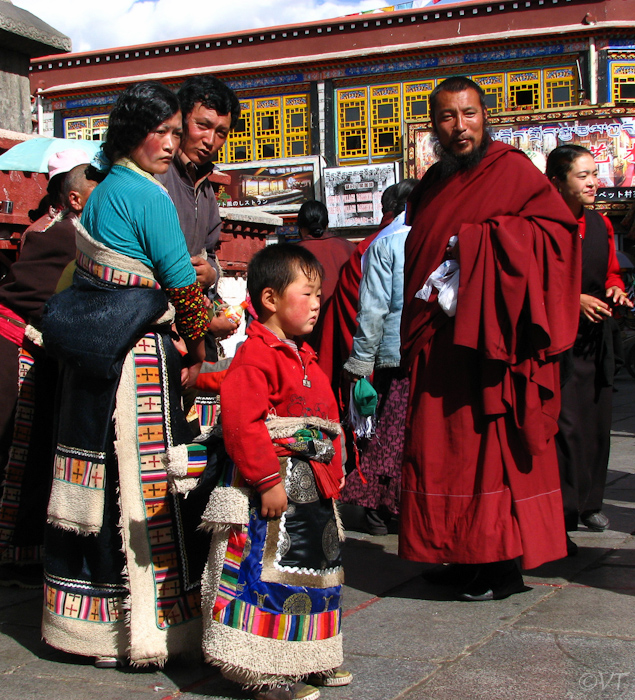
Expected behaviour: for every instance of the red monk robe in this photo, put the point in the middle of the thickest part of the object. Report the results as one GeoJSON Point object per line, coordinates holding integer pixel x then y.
{"type": "Point", "coordinates": [480, 475]}
{"type": "Point", "coordinates": [340, 314]}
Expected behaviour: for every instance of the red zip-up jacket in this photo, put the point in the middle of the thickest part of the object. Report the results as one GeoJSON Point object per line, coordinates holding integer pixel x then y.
{"type": "Point", "coordinates": [265, 379]}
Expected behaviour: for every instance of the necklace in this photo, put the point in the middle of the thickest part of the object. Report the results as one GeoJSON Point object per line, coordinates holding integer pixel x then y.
{"type": "Point", "coordinates": [292, 344]}
{"type": "Point", "coordinates": [306, 381]}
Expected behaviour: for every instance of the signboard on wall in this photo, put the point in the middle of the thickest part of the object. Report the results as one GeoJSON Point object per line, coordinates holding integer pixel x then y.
{"type": "Point", "coordinates": [608, 132]}
{"type": "Point", "coordinates": [270, 185]}
{"type": "Point", "coordinates": [353, 194]}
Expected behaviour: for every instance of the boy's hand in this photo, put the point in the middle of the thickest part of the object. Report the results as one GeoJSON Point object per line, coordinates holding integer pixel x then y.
{"type": "Point", "coordinates": [189, 375]}
{"type": "Point", "coordinates": [193, 361]}
{"type": "Point", "coordinates": [221, 326]}
{"type": "Point", "coordinates": [274, 502]}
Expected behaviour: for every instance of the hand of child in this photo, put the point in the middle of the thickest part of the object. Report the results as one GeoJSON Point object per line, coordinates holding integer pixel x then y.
{"type": "Point", "coordinates": [178, 341]}
{"type": "Point", "coordinates": [274, 502]}
{"type": "Point", "coordinates": [221, 326]}
{"type": "Point", "coordinates": [189, 375]}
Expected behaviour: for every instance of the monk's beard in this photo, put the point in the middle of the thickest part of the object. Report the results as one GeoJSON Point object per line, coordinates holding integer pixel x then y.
{"type": "Point", "coordinates": [451, 163]}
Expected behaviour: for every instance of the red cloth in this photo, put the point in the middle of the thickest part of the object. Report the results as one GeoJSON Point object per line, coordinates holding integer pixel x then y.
{"type": "Point", "coordinates": [211, 381]}
{"type": "Point", "coordinates": [340, 315]}
{"type": "Point", "coordinates": [613, 277]}
{"type": "Point", "coordinates": [332, 252]}
{"type": "Point", "coordinates": [265, 379]}
{"type": "Point", "coordinates": [480, 476]}
{"type": "Point", "coordinates": [46, 251]}
{"type": "Point", "coordinates": [11, 331]}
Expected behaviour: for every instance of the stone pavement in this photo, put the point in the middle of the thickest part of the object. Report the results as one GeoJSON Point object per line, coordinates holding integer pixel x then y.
{"type": "Point", "coordinates": [571, 637]}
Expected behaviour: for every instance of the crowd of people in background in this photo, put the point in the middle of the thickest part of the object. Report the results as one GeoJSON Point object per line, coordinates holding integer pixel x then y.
{"type": "Point", "coordinates": [173, 502]}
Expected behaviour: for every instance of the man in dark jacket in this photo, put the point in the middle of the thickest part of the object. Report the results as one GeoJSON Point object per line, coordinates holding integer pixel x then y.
{"type": "Point", "coordinates": [210, 111]}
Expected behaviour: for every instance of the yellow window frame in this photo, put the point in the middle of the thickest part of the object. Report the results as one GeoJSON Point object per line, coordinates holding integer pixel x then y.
{"type": "Point", "coordinates": [86, 127]}
{"type": "Point", "coordinates": [622, 73]}
{"type": "Point", "coordinates": [492, 84]}
{"type": "Point", "coordinates": [295, 105]}
{"type": "Point", "coordinates": [271, 134]}
{"type": "Point", "coordinates": [522, 82]}
{"type": "Point", "coordinates": [385, 125]}
{"type": "Point", "coordinates": [241, 139]}
{"type": "Point", "coordinates": [556, 78]}
{"type": "Point", "coordinates": [415, 93]}
{"type": "Point", "coordinates": [348, 100]}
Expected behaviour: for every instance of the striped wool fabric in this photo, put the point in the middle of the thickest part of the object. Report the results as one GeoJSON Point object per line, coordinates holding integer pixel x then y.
{"type": "Point", "coordinates": [249, 618]}
{"type": "Point", "coordinates": [112, 274]}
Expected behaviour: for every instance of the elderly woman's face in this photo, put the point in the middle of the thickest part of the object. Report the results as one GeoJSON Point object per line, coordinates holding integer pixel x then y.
{"type": "Point", "coordinates": [154, 154]}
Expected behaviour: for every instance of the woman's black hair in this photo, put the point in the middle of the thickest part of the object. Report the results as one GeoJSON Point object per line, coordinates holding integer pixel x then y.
{"type": "Point", "coordinates": [139, 109]}
{"type": "Point", "coordinates": [394, 197]}
{"type": "Point", "coordinates": [388, 199]}
{"type": "Point", "coordinates": [401, 194]}
{"type": "Point", "coordinates": [314, 217]}
{"type": "Point", "coordinates": [560, 160]}
{"type": "Point", "coordinates": [277, 266]}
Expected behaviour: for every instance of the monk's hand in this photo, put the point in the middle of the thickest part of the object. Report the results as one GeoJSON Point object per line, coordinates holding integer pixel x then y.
{"type": "Point", "coordinates": [205, 273]}
{"type": "Point", "coordinates": [273, 502]}
{"type": "Point", "coordinates": [452, 249]}
{"type": "Point", "coordinates": [618, 296]}
{"type": "Point", "coordinates": [593, 308]}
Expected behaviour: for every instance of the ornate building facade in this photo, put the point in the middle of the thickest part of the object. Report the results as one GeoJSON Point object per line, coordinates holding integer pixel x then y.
{"type": "Point", "coordinates": [348, 90]}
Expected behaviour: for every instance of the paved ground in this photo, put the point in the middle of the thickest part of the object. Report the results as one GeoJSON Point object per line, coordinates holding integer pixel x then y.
{"type": "Point", "coordinates": [571, 637]}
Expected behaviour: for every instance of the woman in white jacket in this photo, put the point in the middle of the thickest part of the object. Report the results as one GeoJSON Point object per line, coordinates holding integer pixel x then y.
{"type": "Point", "coordinates": [377, 351]}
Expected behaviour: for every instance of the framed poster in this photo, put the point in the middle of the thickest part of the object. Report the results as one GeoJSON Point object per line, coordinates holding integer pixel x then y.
{"type": "Point", "coordinates": [353, 194]}
{"type": "Point", "coordinates": [273, 185]}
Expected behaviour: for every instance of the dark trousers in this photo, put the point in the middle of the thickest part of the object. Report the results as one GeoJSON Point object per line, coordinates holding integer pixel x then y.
{"type": "Point", "coordinates": [583, 441]}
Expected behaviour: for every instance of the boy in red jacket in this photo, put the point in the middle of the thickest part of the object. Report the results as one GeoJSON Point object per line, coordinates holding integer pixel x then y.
{"type": "Point", "coordinates": [272, 586]}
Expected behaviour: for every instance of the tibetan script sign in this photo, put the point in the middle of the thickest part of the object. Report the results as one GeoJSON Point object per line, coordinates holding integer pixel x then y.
{"type": "Point", "coordinates": [608, 132]}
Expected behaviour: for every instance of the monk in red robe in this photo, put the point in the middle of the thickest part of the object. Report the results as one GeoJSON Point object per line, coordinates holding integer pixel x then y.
{"type": "Point", "coordinates": [480, 478]}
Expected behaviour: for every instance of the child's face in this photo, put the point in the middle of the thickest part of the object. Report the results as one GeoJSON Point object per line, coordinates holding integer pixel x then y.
{"type": "Point", "coordinates": [297, 308]}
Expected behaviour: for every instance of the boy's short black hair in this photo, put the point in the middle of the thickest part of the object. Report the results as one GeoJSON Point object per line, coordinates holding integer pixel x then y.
{"type": "Point", "coordinates": [277, 266]}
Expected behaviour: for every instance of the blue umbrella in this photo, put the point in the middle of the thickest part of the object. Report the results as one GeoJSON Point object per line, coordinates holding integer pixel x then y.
{"type": "Point", "coordinates": [33, 154]}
